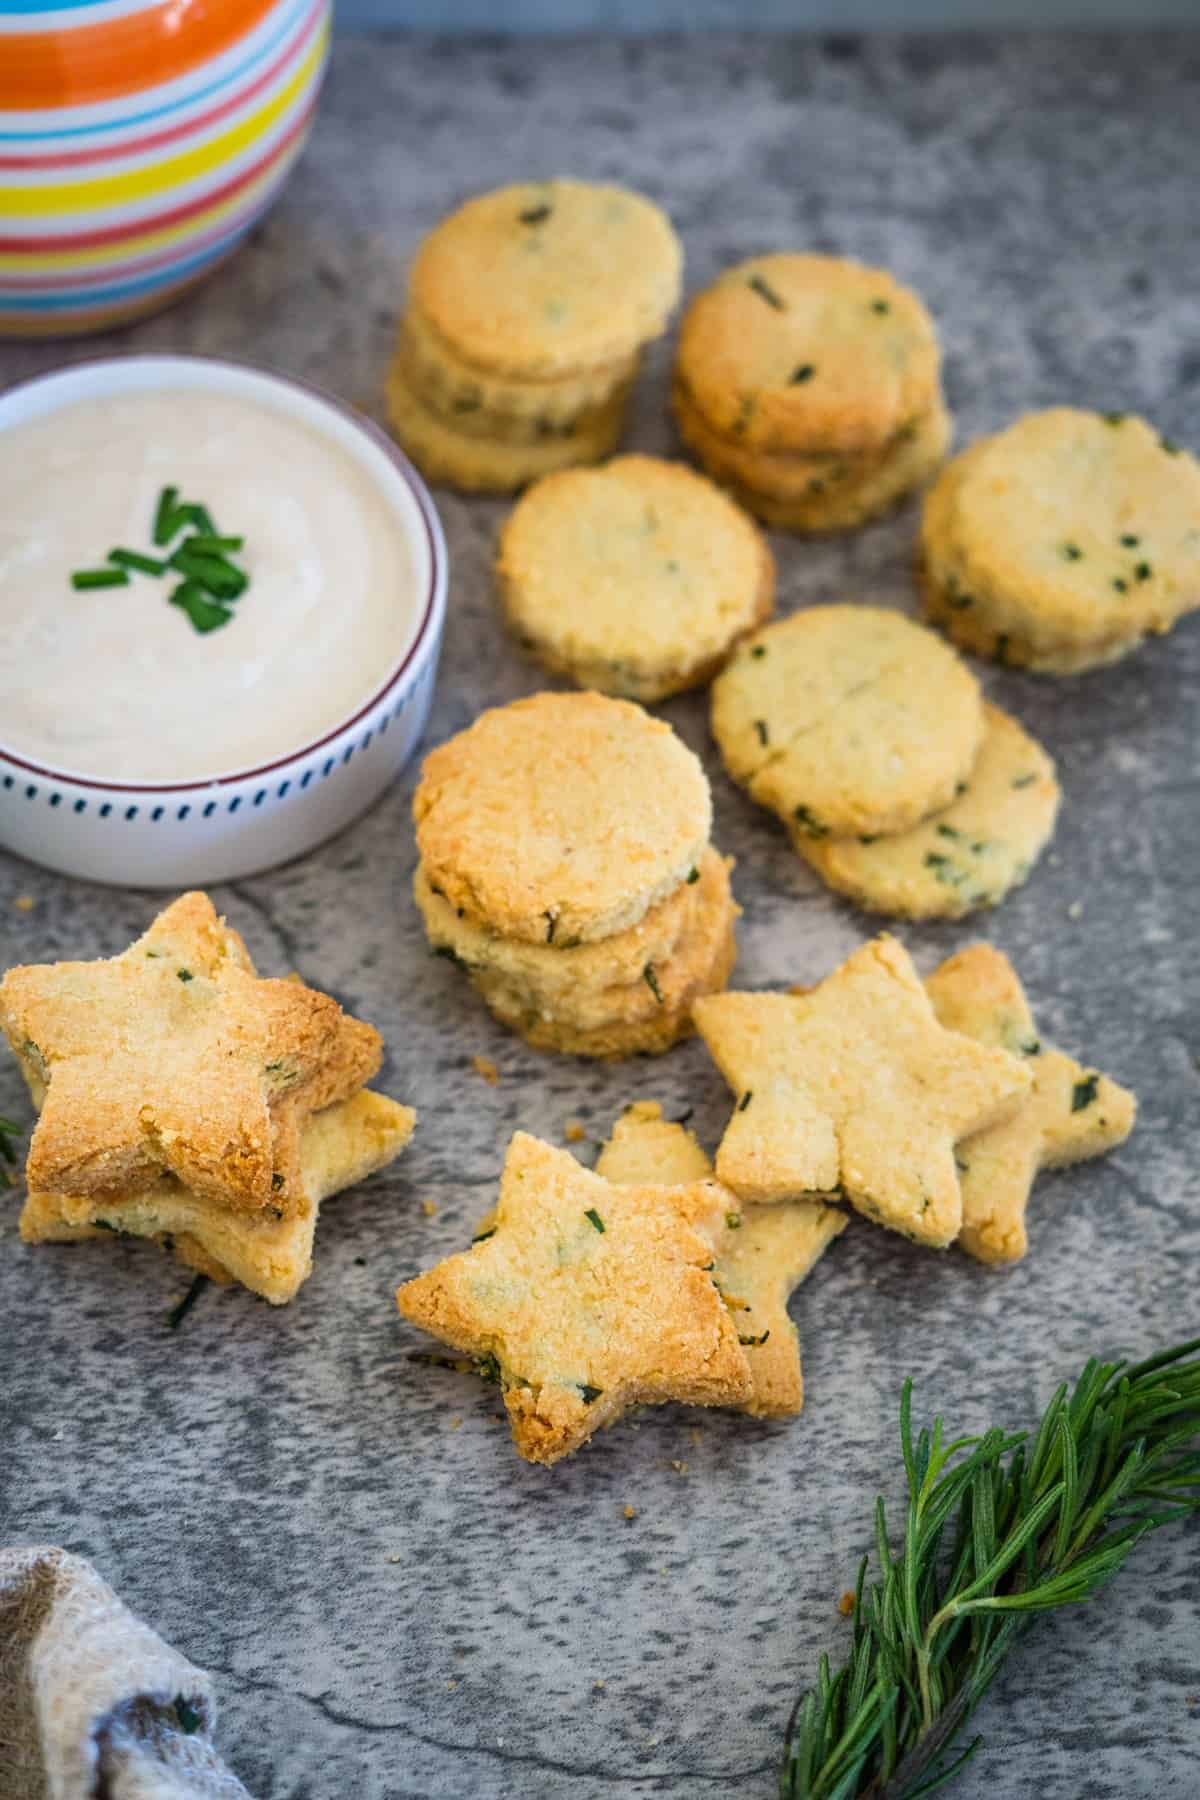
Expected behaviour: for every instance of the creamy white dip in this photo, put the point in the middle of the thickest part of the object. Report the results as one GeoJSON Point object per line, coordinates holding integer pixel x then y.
{"type": "Point", "coordinates": [115, 683]}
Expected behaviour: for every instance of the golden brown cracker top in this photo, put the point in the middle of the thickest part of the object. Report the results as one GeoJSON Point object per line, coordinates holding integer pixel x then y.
{"type": "Point", "coordinates": [561, 818]}
{"type": "Point", "coordinates": [585, 1298]}
{"type": "Point", "coordinates": [548, 278]}
{"type": "Point", "coordinates": [806, 353]}
{"type": "Point", "coordinates": [171, 1058]}
{"type": "Point", "coordinates": [854, 1086]}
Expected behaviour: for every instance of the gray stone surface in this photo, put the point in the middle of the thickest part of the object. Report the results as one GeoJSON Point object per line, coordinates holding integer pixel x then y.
{"type": "Point", "coordinates": [392, 1603]}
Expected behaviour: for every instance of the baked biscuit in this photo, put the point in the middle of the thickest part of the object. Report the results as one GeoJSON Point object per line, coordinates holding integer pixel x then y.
{"type": "Point", "coordinates": [1072, 1112]}
{"type": "Point", "coordinates": [969, 855]}
{"type": "Point", "coordinates": [271, 1255]}
{"type": "Point", "coordinates": [765, 1256]}
{"type": "Point", "coordinates": [561, 818]}
{"type": "Point", "coordinates": [847, 720]}
{"type": "Point", "coordinates": [548, 279]}
{"type": "Point", "coordinates": [174, 1058]}
{"type": "Point", "coordinates": [853, 1090]}
{"type": "Point", "coordinates": [830, 492]}
{"type": "Point", "coordinates": [649, 1014]}
{"type": "Point", "coordinates": [1063, 540]}
{"type": "Point", "coordinates": [635, 578]}
{"type": "Point", "coordinates": [476, 464]}
{"type": "Point", "coordinates": [482, 405]}
{"type": "Point", "coordinates": [558, 975]}
{"type": "Point", "coordinates": [587, 1298]}
{"type": "Point", "coordinates": [803, 354]}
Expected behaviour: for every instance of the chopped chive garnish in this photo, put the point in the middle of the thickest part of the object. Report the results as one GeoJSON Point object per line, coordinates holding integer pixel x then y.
{"type": "Point", "coordinates": [534, 215]}
{"type": "Point", "coordinates": [164, 515]}
{"type": "Point", "coordinates": [760, 725]}
{"type": "Point", "coordinates": [1143, 571]}
{"type": "Point", "coordinates": [651, 981]}
{"type": "Point", "coordinates": [205, 614]}
{"type": "Point", "coordinates": [99, 578]}
{"type": "Point", "coordinates": [593, 1218]}
{"type": "Point", "coordinates": [693, 877]}
{"type": "Point", "coordinates": [1120, 584]}
{"type": "Point", "coordinates": [766, 292]}
{"type": "Point", "coordinates": [589, 1394]}
{"type": "Point", "coordinates": [881, 306]}
{"type": "Point", "coordinates": [1114, 418]}
{"type": "Point", "coordinates": [481, 1237]}
{"type": "Point", "coordinates": [182, 1308]}
{"type": "Point", "coordinates": [213, 546]}
{"type": "Point", "coordinates": [1084, 1092]}
{"type": "Point", "coordinates": [804, 372]}
{"type": "Point", "coordinates": [1169, 445]}
{"type": "Point", "coordinates": [1072, 552]}
{"type": "Point", "coordinates": [1021, 781]}
{"type": "Point", "coordinates": [1130, 539]}
{"type": "Point", "coordinates": [133, 559]}
{"type": "Point", "coordinates": [214, 574]}
{"type": "Point", "coordinates": [745, 1100]}
{"type": "Point", "coordinates": [753, 1342]}
{"type": "Point", "coordinates": [758, 650]}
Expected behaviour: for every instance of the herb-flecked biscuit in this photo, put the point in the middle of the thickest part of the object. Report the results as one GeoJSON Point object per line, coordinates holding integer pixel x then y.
{"type": "Point", "coordinates": [529, 407]}
{"type": "Point", "coordinates": [854, 1090]}
{"type": "Point", "coordinates": [1071, 534]}
{"type": "Point", "coordinates": [969, 855]}
{"type": "Point", "coordinates": [548, 279]}
{"type": "Point", "coordinates": [561, 817]}
{"type": "Point", "coordinates": [766, 1253]}
{"type": "Point", "coordinates": [585, 1298]}
{"type": "Point", "coordinates": [555, 972]}
{"type": "Point", "coordinates": [271, 1255]}
{"type": "Point", "coordinates": [558, 421]}
{"type": "Point", "coordinates": [855, 502]}
{"type": "Point", "coordinates": [847, 720]}
{"type": "Point", "coordinates": [807, 353]}
{"type": "Point", "coordinates": [635, 578]}
{"type": "Point", "coordinates": [484, 465]}
{"type": "Point", "coordinates": [815, 478]}
{"type": "Point", "coordinates": [646, 1016]}
{"type": "Point", "coordinates": [175, 1058]}
{"type": "Point", "coordinates": [1072, 1112]}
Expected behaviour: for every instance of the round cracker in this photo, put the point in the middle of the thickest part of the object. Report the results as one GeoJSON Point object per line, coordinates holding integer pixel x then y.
{"type": "Point", "coordinates": [548, 278]}
{"type": "Point", "coordinates": [561, 817]}
{"type": "Point", "coordinates": [636, 578]}
{"type": "Point", "coordinates": [1072, 533]}
{"type": "Point", "coordinates": [964, 858]}
{"type": "Point", "coordinates": [847, 720]}
{"type": "Point", "coordinates": [807, 353]}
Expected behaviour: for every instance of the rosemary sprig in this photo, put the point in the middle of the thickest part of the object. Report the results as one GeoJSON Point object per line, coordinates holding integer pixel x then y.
{"type": "Point", "coordinates": [999, 1528]}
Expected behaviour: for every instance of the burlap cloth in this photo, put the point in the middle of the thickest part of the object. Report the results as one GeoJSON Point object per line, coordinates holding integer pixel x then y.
{"type": "Point", "coordinates": [93, 1704]}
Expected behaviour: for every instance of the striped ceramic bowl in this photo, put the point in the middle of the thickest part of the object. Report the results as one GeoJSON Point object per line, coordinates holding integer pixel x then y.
{"type": "Point", "coordinates": [139, 142]}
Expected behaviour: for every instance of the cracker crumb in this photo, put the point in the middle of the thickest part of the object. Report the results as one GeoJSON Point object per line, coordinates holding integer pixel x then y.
{"type": "Point", "coordinates": [452, 1685]}
{"type": "Point", "coordinates": [680, 1467]}
{"type": "Point", "coordinates": [483, 1065]}
{"type": "Point", "coordinates": [24, 902]}
{"type": "Point", "coordinates": [456, 1423]}
{"type": "Point", "coordinates": [1075, 910]}
{"type": "Point", "coordinates": [696, 1435]}
{"type": "Point", "coordinates": [846, 1604]}
{"type": "Point", "coordinates": [429, 1208]}
{"type": "Point", "coordinates": [575, 1132]}
{"type": "Point", "coordinates": [397, 1557]}
{"type": "Point", "coordinates": [599, 1682]}
{"type": "Point", "coordinates": [629, 1512]}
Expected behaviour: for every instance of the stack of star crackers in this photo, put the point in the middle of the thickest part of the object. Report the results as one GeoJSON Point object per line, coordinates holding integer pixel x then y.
{"type": "Point", "coordinates": [184, 1099]}
{"type": "Point", "coordinates": [528, 310]}
{"type": "Point", "coordinates": [899, 785]}
{"type": "Point", "coordinates": [811, 387]}
{"type": "Point", "coordinates": [928, 1108]}
{"type": "Point", "coordinates": [565, 863]}
{"type": "Point", "coordinates": [1061, 542]}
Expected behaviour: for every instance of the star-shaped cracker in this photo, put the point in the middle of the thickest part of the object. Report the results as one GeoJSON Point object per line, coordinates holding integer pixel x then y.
{"type": "Point", "coordinates": [854, 1086]}
{"type": "Point", "coordinates": [584, 1298]}
{"type": "Point", "coordinates": [1072, 1112]}
{"type": "Point", "coordinates": [766, 1253]}
{"type": "Point", "coordinates": [175, 1058]}
{"type": "Point", "coordinates": [337, 1148]}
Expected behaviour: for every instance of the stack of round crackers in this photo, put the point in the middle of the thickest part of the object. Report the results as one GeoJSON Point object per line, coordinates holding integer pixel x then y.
{"type": "Point", "coordinates": [528, 309]}
{"type": "Point", "coordinates": [811, 387]}
{"type": "Point", "coordinates": [1060, 543]}
{"type": "Point", "coordinates": [565, 863]}
{"type": "Point", "coordinates": [898, 784]}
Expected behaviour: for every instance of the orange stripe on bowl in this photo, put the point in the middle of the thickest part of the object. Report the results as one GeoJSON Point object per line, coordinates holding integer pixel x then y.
{"type": "Point", "coordinates": [120, 56]}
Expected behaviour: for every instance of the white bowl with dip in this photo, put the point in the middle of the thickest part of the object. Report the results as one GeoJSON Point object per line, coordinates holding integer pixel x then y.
{"type": "Point", "coordinates": [137, 750]}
